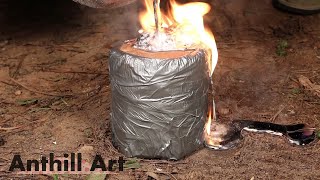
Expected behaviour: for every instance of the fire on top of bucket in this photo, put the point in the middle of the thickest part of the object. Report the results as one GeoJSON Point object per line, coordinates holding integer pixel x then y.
{"type": "Point", "coordinates": [181, 28]}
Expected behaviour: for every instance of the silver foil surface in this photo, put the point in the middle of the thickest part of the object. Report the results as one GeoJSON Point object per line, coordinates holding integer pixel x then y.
{"type": "Point", "coordinates": [159, 106]}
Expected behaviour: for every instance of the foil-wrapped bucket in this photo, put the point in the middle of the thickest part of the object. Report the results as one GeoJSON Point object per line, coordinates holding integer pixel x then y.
{"type": "Point", "coordinates": [159, 101]}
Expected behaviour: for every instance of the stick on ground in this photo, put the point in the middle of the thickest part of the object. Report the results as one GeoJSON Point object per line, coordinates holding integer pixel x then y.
{"type": "Point", "coordinates": [40, 92]}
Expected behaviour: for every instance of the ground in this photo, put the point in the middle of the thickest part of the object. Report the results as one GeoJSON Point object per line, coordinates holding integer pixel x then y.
{"type": "Point", "coordinates": [55, 94]}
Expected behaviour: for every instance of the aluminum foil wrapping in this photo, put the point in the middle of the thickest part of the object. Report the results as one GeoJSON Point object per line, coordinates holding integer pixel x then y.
{"type": "Point", "coordinates": [159, 106]}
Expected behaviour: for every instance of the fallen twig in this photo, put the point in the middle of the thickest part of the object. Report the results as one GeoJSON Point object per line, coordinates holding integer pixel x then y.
{"type": "Point", "coordinates": [40, 92]}
{"type": "Point", "coordinates": [306, 71]}
{"type": "Point", "coordinates": [24, 126]}
{"type": "Point", "coordinates": [161, 161]}
{"type": "Point", "coordinates": [240, 100]}
{"type": "Point", "coordinates": [16, 72]}
{"type": "Point", "coordinates": [8, 83]}
{"type": "Point", "coordinates": [149, 173]}
{"type": "Point", "coordinates": [9, 128]}
{"type": "Point", "coordinates": [276, 115]}
{"type": "Point", "coordinates": [74, 72]}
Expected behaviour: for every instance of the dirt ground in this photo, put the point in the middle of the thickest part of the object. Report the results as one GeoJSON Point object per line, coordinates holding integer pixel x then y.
{"type": "Point", "coordinates": [55, 55]}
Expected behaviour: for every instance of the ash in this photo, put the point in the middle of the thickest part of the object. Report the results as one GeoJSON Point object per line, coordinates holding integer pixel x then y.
{"type": "Point", "coordinates": [162, 41]}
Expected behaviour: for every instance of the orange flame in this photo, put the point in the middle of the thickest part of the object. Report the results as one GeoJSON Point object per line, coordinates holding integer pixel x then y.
{"type": "Point", "coordinates": [208, 124]}
{"type": "Point", "coordinates": [211, 138]}
{"type": "Point", "coordinates": [189, 20]}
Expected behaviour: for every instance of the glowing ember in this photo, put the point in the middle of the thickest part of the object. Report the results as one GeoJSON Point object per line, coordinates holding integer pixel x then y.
{"type": "Point", "coordinates": [181, 29]}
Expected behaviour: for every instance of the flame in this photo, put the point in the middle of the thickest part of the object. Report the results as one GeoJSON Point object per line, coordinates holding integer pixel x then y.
{"type": "Point", "coordinates": [185, 22]}
{"type": "Point", "coordinates": [212, 139]}
{"type": "Point", "coordinates": [208, 124]}
{"type": "Point", "coordinates": [214, 132]}
{"type": "Point", "coordinates": [188, 18]}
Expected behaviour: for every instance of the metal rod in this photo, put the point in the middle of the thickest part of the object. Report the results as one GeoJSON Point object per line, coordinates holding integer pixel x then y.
{"type": "Point", "coordinates": [156, 8]}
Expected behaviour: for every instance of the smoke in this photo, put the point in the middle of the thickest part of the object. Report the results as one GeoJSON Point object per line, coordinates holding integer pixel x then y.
{"type": "Point", "coordinates": [124, 21]}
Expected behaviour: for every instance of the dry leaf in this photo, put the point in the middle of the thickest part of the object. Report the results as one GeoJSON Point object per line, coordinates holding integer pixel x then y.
{"type": "Point", "coordinates": [304, 81]}
{"type": "Point", "coordinates": [153, 175]}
